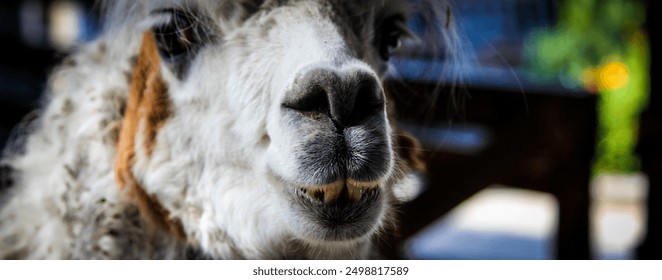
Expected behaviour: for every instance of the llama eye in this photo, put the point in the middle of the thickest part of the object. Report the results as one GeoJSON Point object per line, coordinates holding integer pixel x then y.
{"type": "Point", "coordinates": [177, 37]}
{"type": "Point", "coordinates": [392, 31]}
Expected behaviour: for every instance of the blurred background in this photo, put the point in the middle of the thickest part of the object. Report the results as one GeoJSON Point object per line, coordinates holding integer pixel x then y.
{"type": "Point", "coordinates": [540, 131]}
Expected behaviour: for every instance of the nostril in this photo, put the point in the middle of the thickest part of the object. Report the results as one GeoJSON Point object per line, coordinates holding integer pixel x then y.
{"type": "Point", "coordinates": [313, 99]}
{"type": "Point", "coordinates": [368, 101]}
{"type": "Point", "coordinates": [311, 92]}
{"type": "Point", "coordinates": [359, 98]}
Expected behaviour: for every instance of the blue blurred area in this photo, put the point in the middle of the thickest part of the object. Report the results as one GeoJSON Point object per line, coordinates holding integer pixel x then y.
{"type": "Point", "coordinates": [498, 223]}
{"type": "Point", "coordinates": [445, 242]}
{"type": "Point", "coordinates": [493, 33]}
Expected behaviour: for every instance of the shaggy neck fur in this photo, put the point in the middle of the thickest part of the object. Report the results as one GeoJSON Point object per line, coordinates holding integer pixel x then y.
{"type": "Point", "coordinates": [65, 203]}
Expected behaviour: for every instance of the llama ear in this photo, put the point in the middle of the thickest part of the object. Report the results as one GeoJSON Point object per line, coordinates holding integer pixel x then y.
{"type": "Point", "coordinates": [148, 107]}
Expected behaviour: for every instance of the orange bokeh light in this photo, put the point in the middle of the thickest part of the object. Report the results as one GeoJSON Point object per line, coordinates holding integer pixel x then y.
{"type": "Point", "coordinates": [613, 75]}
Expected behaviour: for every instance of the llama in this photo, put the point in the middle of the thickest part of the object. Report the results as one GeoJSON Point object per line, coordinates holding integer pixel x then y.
{"type": "Point", "coordinates": [240, 129]}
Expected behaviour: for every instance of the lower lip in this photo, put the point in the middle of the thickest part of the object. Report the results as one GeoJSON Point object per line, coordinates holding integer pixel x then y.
{"type": "Point", "coordinates": [338, 222]}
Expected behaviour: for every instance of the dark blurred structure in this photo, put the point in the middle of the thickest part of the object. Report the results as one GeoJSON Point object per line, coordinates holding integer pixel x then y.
{"type": "Point", "coordinates": [542, 142]}
{"type": "Point", "coordinates": [22, 70]}
{"type": "Point", "coordinates": [31, 48]}
{"type": "Point", "coordinates": [649, 150]}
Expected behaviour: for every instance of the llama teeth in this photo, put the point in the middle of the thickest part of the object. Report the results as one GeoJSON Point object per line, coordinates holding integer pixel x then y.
{"type": "Point", "coordinates": [356, 189]}
{"type": "Point", "coordinates": [355, 192]}
{"type": "Point", "coordinates": [333, 192]}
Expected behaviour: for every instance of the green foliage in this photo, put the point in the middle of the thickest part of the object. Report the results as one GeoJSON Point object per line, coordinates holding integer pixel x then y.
{"type": "Point", "coordinates": [589, 35]}
{"type": "Point", "coordinates": [618, 114]}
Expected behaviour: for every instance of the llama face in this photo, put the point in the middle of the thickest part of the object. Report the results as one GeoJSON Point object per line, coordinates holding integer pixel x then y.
{"type": "Point", "coordinates": [272, 117]}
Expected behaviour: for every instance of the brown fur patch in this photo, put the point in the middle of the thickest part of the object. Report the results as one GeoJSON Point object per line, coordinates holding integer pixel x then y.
{"type": "Point", "coordinates": [148, 103]}
{"type": "Point", "coordinates": [410, 151]}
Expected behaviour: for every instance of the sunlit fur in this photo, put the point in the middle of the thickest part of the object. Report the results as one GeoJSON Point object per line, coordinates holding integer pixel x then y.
{"type": "Point", "coordinates": [207, 165]}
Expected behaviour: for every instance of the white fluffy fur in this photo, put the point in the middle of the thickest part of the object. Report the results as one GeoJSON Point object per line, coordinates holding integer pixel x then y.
{"type": "Point", "coordinates": [214, 158]}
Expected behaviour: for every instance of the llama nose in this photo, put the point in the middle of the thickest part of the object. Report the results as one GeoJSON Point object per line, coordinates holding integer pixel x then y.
{"type": "Point", "coordinates": [349, 98]}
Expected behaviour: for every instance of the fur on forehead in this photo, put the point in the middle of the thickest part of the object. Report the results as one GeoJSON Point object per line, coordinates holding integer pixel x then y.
{"type": "Point", "coordinates": [247, 7]}
{"type": "Point", "coordinates": [123, 12]}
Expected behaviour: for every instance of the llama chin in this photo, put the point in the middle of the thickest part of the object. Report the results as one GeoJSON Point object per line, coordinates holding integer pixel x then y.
{"type": "Point", "coordinates": [233, 129]}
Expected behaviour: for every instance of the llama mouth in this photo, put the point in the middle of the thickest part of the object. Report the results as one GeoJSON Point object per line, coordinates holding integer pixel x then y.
{"type": "Point", "coordinates": [341, 192]}
{"type": "Point", "coordinates": [341, 211]}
